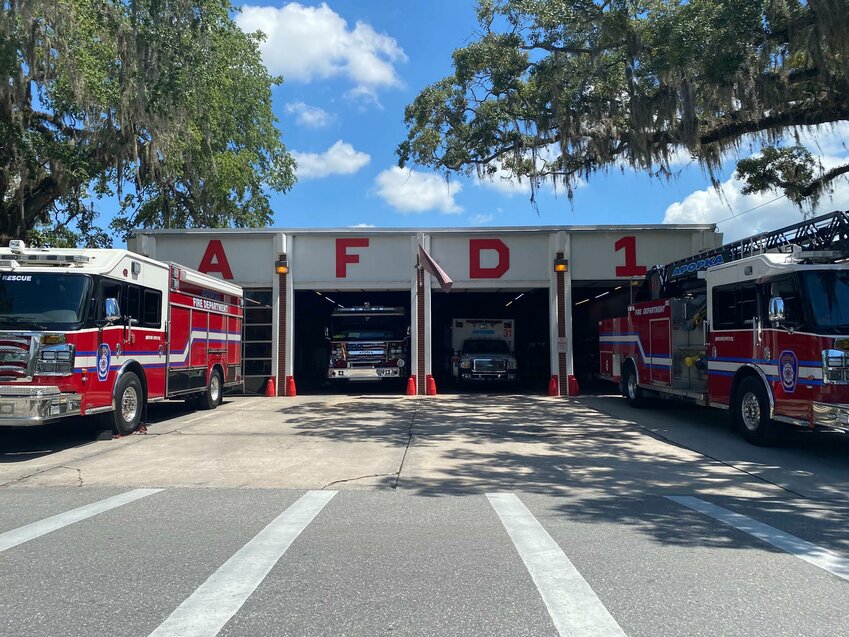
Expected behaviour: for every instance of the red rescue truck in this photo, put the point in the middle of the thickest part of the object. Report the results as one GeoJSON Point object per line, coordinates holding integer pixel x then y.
{"type": "Point", "coordinates": [88, 331]}
{"type": "Point", "coordinates": [759, 327]}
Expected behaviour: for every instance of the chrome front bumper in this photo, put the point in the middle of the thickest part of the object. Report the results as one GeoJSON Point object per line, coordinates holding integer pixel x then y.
{"type": "Point", "coordinates": [831, 415]}
{"type": "Point", "coordinates": [363, 373]}
{"type": "Point", "coordinates": [488, 376]}
{"type": "Point", "coordinates": [23, 406]}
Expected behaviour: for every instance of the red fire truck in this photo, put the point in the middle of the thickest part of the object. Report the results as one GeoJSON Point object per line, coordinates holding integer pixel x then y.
{"type": "Point", "coordinates": [760, 327]}
{"type": "Point", "coordinates": [87, 331]}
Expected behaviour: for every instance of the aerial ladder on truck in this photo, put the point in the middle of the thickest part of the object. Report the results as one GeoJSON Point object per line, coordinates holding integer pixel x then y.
{"type": "Point", "coordinates": [826, 235]}
{"type": "Point", "coordinates": [759, 326]}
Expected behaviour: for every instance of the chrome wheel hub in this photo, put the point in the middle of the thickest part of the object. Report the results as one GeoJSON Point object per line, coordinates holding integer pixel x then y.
{"type": "Point", "coordinates": [632, 387]}
{"type": "Point", "coordinates": [215, 388]}
{"type": "Point", "coordinates": [129, 404]}
{"type": "Point", "coordinates": [751, 411]}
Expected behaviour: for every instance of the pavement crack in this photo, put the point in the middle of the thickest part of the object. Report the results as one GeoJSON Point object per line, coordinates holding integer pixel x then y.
{"type": "Point", "coordinates": [407, 446]}
{"type": "Point", "coordinates": [78, 470]}
{"type": "Point", "coordinates": [370, 475]}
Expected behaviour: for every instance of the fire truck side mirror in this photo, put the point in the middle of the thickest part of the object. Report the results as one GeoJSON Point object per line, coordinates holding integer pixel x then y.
{"type": "Point", "coordinates": [111, 310]}
{"type": "Point", "coordinates": [776, 309]}
{"type": "Point", "coordinates": [327, 333]}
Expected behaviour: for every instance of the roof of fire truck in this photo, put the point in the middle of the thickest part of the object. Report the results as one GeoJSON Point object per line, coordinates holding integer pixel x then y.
{"type": "Point", "coordinates": [774, 263]}
{"type": "Point", "coordinates": [113, 262]}
{"type": "Point", "coordinates": [18, 257]}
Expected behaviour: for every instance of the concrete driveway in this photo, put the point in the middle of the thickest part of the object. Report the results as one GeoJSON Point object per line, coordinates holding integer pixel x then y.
{"type": "Point", "coordinates": [443, 444]}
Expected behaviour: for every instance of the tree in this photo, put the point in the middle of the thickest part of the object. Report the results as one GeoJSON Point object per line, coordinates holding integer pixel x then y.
{"type": "Point", "coordinates": [562, 89]}
{"type": "Point", "coordinates": [163, 106]}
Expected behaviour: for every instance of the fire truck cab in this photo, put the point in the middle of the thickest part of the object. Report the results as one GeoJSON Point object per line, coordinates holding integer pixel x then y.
{"type": "Point", "coordinates": [760, 328]}
{"type": "Point", "coordinates": [102, 331]}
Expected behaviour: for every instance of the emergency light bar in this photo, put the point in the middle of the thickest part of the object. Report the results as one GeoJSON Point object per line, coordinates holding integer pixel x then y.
{"type": "Point", "coordinates": [46, 258]}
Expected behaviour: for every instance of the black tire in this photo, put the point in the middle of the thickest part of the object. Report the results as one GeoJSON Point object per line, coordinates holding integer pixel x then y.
{"type": "Point", "coordinates": [214, 394]}
{"type": "Point", "coordinates": [751, 413]}
{"type": "Point", "coordinates": [129, 403]}
{"type": "Point", "coordinates": [630, 387]}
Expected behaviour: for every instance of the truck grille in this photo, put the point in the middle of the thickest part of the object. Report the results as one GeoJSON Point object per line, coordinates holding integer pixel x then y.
{"type": "Point", "coordinates": [489, 365]}
{"type": "Point", "coordinates": [14, 356]}
{"type": "Point", "coordinates": [366, 351]}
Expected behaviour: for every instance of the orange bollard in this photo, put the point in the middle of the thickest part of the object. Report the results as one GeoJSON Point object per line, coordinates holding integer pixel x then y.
{"type": "Point", "coordinates": [553, 389]}
{"type": "Point", "coordinates": [572, 384]}
{"type": "Point", "coordinates": [430, 385]}
{"type": "Point", "coordinates": [290, 386]}
{"type": "Point", "coordinates": [270, 388]}
{"type": "Point", "coordinates": [411, 385]}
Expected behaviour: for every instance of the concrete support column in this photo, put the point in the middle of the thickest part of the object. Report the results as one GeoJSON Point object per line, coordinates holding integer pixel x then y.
{"type": "Point", "coordinates": [420, 332]}
{"type": "Point", "coordinates": [282, 330]}
{"type": "Point", "coordinates": [562, 367]}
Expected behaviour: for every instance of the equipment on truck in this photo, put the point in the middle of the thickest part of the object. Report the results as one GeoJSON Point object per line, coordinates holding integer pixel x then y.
{"type": "Point", "coordinates": [483, 350]}
{"type": "Point", "coordinates": [91, 331]}
{"type": "Point", "coordinates": [368, 343]}
{"type": "Point", "coordinates": [759, 326]}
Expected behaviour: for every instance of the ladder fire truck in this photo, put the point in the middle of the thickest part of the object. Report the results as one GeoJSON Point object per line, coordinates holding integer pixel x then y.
{"type": "Point", "coordinates": [759, 326]}
{"type": "Point", "coordinates": [90, 331]}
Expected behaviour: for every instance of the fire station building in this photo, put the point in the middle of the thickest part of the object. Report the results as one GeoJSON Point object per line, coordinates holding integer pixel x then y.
{"type": "Point", "coordinates": [555, 283]}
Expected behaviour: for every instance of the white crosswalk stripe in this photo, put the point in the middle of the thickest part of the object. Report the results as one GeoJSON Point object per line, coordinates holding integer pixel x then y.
{"type": "Point", "coordinates": [211, 606]}
{"type": "Point", "coordinates": [811, 553]}
{"type": "Point", "coordinates": [29, 532]}
{"type": "Point", "coordinates": [571, 602]}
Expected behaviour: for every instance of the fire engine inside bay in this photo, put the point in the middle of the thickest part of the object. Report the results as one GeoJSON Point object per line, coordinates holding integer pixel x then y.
{"type": "Point", "coordinates": [427, 310]}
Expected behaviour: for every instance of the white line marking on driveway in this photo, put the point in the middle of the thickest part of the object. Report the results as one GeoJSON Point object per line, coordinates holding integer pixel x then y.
{"type": "Point", "coordinates": [205, 611]}
{"type": "Point", "coordinates": [811, 553]}
{"type": "Point", "coordinates": [42, 527]}
{"type": "Point", "coordinates": [572, 604]}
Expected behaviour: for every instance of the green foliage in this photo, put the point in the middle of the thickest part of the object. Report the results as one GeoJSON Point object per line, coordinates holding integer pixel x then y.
{"type": "Point", "coordinates": [162, 106]}
{"type": "Point", "coordinates": [561, 89]}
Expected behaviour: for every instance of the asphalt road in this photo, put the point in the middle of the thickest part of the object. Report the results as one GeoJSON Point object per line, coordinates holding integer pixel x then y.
{"type": "Point", "coordinates": [376, 515]}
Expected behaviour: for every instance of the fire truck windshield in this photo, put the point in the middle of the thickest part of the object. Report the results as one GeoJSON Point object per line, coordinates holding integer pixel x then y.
{"type": "Point", "coordinates": [364, 328]}
{"type": "Point", "coordinates": [38, 301]}
{"type": "Point", "coordinates": [828, 294]}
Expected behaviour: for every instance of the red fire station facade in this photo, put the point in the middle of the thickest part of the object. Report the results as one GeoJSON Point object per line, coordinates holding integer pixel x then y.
{"type": "Point", "coordinates": [569, 270]}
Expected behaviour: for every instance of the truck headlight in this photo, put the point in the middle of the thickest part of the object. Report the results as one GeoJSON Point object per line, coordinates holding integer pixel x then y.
{"type": "Point", "coordinates": [57, 360]}
{"type": "Point", "coordinates": [511, 363]}
{"type": "Point", "coordinates": [835, 366]}
{"type": "Point", "coordinates": [465, 364]}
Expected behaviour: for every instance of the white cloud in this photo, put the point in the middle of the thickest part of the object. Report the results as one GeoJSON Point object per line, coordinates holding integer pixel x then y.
{"type": "Point", "coordinates": [410, 191]}
{"type": "Point", "coordinates": [481, 219]}
{"type": "Point", "coordinates": [309, 116]}
{"type": "Point", "coordinates": [767, 211]}
{"type": "Point", "coordinates": [362, 225]}
{"type": "Point", "coordinates": [339, 159]}
{"type": "Point", "coordinates": [312, 43]}
{"type": "Point", "coordinates": [761, 212]}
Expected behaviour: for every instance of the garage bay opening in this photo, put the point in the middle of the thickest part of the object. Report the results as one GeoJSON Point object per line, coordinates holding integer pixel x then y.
{"type": "Point", "coordinates": [593, 301]}
{"type": "Point", "coordinates": [352, 341]}
{"type": "Point", "coordinates": [491, 341]}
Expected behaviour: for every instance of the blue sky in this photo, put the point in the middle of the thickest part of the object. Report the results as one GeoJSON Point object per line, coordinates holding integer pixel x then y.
{"type": "Point", "coordinates": [351, 66]}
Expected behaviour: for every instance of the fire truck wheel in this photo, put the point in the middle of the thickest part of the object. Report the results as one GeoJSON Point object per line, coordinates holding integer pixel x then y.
{"type": "Point", "coordinates": [633, 393]}
{"type": "Point", "coordinates": [212, 397]}
{"type": "Point", "coordinates": [751, 412]}
{"type": "Point", "coordinates": [128, 404]}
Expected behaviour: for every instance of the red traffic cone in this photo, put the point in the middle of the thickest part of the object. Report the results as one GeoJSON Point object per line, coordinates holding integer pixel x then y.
{"type": "Point", "coordinates": [572, 382]}
{"type": "Point", "coordinates": [553, 389]}
{"type": "Point", "coordinates": [411, 385]}
{"type": "Point", "coordinates": [270, 388]}
{"type": "Point", "coordinates": [290, 386]}
{"type": "Point", "coordinates": [430, 385]}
